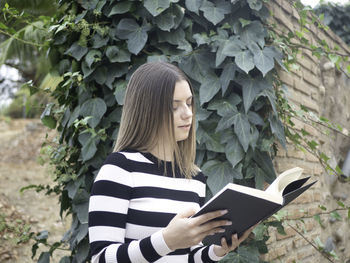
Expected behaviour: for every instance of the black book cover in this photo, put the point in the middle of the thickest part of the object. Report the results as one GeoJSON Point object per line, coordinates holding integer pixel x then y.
{"type": "Point", "coordinates": [245, 211]}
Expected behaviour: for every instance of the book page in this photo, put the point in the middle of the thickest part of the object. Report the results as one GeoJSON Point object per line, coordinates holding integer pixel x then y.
{"type": "Point", "coordinates": [285, 178]}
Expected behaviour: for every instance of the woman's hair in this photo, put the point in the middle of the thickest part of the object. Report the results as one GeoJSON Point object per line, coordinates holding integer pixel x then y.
{"type": "Point", "coordinates": [148, 115]}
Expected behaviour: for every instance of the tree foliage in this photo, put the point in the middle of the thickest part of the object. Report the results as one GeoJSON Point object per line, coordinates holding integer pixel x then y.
{"type": "Point", "coordinates": [337, 17]}
{"type": "Point", "coordinates": [221, 45]}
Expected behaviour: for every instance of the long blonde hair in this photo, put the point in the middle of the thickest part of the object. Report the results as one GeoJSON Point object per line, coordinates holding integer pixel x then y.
{"type": "Point", "coordinates": [148, 112]}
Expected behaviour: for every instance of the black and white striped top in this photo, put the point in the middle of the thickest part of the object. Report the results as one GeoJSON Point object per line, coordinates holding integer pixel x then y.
{"type": "Point", "coordinates": [132, 201]}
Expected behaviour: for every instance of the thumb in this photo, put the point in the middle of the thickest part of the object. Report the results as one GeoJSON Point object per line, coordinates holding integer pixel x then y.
{"type": "Point", "coordinates": [190, 211]}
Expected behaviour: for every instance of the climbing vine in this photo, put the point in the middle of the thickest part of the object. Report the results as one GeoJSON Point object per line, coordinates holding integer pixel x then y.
{"type": "Point", "coordinates": [229, 51]}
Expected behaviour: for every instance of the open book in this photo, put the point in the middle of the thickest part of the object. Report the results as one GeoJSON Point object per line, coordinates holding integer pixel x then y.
{"type": "Point", "coordinates": [247, 206]}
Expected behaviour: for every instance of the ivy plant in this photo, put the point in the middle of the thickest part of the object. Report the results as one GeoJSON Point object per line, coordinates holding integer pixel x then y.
{"type": "Point", "coordinates": [221, 45]}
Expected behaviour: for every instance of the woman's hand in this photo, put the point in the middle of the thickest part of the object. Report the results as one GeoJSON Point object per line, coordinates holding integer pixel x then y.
{"type": "Point", "coordinates": [222, 250]}
{"type": "Point", "coordinates": [184, 232]}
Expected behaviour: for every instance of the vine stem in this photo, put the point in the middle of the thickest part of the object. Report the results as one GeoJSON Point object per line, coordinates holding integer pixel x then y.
{"type": "Point", "coordinates": [322, 124]}
{"type": "Point", "coordinates": [321, 213]}
{"type": "Point", "coordinates": [21, 40]}
{"type": "Point", "coordinates": [310, 243]}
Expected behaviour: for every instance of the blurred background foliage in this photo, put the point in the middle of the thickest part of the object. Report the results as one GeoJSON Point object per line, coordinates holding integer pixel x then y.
{"type": "Point", "coordinates": [337, 17]}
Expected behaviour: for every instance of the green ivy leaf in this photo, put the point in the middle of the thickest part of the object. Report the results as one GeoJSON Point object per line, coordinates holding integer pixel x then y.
{"type": "Point", "coordinates": [206, 135]}
{"type": "Point", "coordinates": [89, 142]}
{"type": "Point", "coordinates": [176, 37]}
{"type": "Point", "coordinates": [42, 236]}
{"type": "Point", "coordinates": [170, 19]}
{"type": "Point", "coordinates": [244, 254]}
{"type": "Point", "coordinates": [197, 65]}
{"type": "Point", "coordinates": [95, 108]}
{"type": "Point", "coordinates": [47, 117]}
{"type": "Point", "coordinates": [83, 251]}
{"type": "Point", "coordinates": [136, 35]}
{"type": "Point", "coordinates": [341, 204]}
{"type": "Point", "coordinates": [120, 8]}
{"type": "Point", "coordinates": [215, 13]}
{"type": "Point", "coordinates": [270, 94]}
{"type": "Point", "coordinates": [245, 60]}
{"type": "Point", "coordinates": [209, 88]}
{"type": "Point", "coordinates": [76, 51]}
{"type": "Point", "coordinates": [119, 92]}
{"type": "Point", "coordinates": [114, 54]}
{"type": "Point", "coordinates": [44, 257]}
{"type": "Point", "coordinates": [81, 205]}
{"type": "Point", "coordinates": [100, 75]}
{"type": "Point", "coordinates": [65, 259]}
{"type": "Point", "coordinates": [255, 4]}
{"type": "Point", "coordinates": [262, 59]}
{"type": "Point", "coordinates": [335, 215]}
{"type": "Point", "coordinates": [193, 5]}
{"type": "Point", "coordinates": [253, 33]}
{"type": "Point", "coordinates": [251, 88]}
{"type": "Point", "coordinates": [234, 151]}
{"type": "Point", "coordinates": [155, 7]}
{"type": "Point", "coordinates": [92, 56]}
{"type": "Point", "coordinates": [165, 21]}
{"type": "Point", "coordinates": [219, 174]}
{"type": "Point", "coordinates": [228, 48]}
{"type": "Point", "coordinates": [277, 129]}
{"type": "Point", "coordinates": [225, 107]}
{"type": "Point", "coordinates": [74, 116]}
{"type": "Point", "coordinates": [99, 41]}
{"type": "Point", "coordinates": [263, 159]}
{"type": "Point", "coordinates": [318, 219]}
{"type": "Point", "coordinates": [242, 129]}
{"type": "Point", "coordinates": [228, 74]}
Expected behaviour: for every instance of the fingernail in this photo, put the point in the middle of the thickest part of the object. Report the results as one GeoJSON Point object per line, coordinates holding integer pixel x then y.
{"type": "Point", "coordinates": [235, 236]}
{"type": "Point", "coordinates": [228, 223]}
{"type": "Point", "coordinates": [221, 231]}
{"type": "Point", "coordinates": [224, 211]}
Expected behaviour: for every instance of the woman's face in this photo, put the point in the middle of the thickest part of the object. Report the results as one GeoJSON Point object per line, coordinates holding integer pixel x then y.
{"type": "Point", "coordinates": [182, 110]}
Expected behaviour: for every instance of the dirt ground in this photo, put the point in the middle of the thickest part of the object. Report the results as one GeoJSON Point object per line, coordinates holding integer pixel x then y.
{"type": "Point", "coordinates": [20, 143]}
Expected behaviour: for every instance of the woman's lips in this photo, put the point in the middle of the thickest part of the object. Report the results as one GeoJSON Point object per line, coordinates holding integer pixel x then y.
{"type": "Point", "coordinates": [186, 127]}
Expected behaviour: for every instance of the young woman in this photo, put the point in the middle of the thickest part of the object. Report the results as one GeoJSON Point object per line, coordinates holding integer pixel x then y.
{"type": "Point", "coordinates": [147, 190]}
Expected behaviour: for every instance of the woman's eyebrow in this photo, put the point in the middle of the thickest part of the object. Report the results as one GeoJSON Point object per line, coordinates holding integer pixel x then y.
{"type": "Point", "coordinates": [190, 97]}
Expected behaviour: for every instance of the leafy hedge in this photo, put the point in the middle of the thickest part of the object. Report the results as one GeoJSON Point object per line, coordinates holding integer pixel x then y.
{"type": "Point", "coordinates": [337, 17]}
{"type": "Point", "coordinates": [221, 45]}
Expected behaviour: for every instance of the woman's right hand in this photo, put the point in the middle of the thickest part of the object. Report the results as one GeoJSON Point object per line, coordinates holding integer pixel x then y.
{"type": "Point", "coordinates": [184, 232]}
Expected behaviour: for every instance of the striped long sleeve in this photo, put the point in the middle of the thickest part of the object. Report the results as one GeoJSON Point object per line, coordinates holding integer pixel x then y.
{"type": "Point", "coordinates": [131, 202]}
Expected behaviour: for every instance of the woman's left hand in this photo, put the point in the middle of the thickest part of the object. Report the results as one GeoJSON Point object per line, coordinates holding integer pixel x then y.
{"type": "Point", "coordinates": [222, 250]}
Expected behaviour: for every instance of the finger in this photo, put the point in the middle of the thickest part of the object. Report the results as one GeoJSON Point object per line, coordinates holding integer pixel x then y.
{"type": "Point", "coordinates": [235, 241]}
{"type": "Point", "coordinates": [224, 244]}
{"type": "Point", "coordinates": [209, 216]}
{"type": "Point", "coordinates": [187, 213]}
{"type": "Point", "coordinates": [245, 235]}
{"type": "Point", "coordinates": [209, 226]}
{"type": "Point", "coordinates": [211, 232]}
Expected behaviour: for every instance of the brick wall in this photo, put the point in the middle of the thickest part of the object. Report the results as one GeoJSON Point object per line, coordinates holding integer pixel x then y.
{"type": "Point", "coordinates": [325, 91]}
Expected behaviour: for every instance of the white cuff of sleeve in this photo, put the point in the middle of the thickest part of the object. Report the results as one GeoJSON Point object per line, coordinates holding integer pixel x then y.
{"type": "Point", "coordinates": [111, 253]}
{"type": "Point", "coordinates": [212, 254]}
{"type": "Point", "coordinates": [159, 244]}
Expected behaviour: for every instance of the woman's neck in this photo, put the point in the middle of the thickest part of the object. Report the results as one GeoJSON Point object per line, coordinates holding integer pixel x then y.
{"type": "Point", "coordinates": [163, 152]}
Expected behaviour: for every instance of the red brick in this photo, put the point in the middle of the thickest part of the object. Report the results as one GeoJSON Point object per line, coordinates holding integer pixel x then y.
{"type": "Point", "coordinates": [310, 157]}
{"type": "Point", "coordinates": [286, 77]}
{"type": "Point", "coordinates": [314, 210]}
{"type": "Point", "coordinates": [289, 233]}
{"type": "Point", "coordinates": [310, 104]}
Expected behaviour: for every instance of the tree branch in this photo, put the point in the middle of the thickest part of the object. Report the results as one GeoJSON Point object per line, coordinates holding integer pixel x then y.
{"type": "Point", "coordinates": [310, 243]}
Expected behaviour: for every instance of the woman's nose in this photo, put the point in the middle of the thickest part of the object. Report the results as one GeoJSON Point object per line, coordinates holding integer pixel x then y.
{"type": "Point", "coordinates": [187, 112]}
